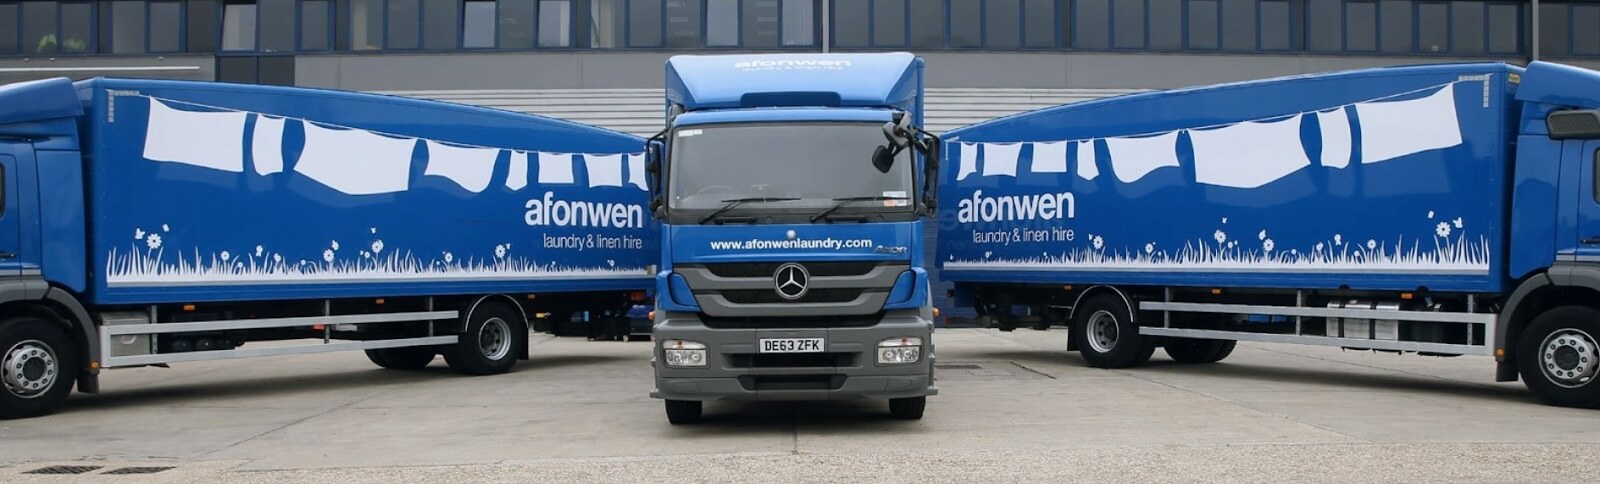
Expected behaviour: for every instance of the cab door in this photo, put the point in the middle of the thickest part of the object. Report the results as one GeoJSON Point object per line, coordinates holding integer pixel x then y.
{"type": "Point", "coordinates": [10, 214]}
{"type": "Point", "coordinates": [1588, 248]}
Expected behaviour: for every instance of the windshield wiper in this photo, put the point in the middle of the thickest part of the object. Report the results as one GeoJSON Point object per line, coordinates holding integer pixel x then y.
{"type": "Point", "coordinates": [736, 202]}
{"type": "Point", "coordinates": [848, 200]}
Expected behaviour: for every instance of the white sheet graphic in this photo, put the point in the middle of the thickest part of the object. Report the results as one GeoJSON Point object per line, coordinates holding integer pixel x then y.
{"type": "Point", "coordinates": [1249, 154]}
{"type": "Point", "coordinates": [356, 162]}
{"type": "Point", "coordinates": [1000, 158]}
{"type": "Point", "coordinates": [1394, 129]}
{"type": "Point", "coordinates": [212, 140]}
{"type": "Point", "coordinates": [266, 148]}
{"type": "Point", "coordinates": [472, 168]}
{"type": "Point", "coordinates": [1336, 141]}
{"type": "Point", "coordinates": [969, 161]}
{"type": "Point", "coordinates": [1088, 168]}
{"type": "Point", "coordinates": [636, 172]}
{"type": "Point", "coordinates": [517, 175]}
{"type": "Point", "coordinates": [555, 168]}
{"type": "Point", "coordinates": [604, 170]}
{"type": "Point", "coordinates": [1133, 158]}
{"type": "Point", "coordinates": [1050, 157]}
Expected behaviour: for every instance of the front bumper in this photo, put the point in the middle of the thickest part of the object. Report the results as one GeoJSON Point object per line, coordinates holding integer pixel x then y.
{"type": "Point", "coordinates": [847, 370]}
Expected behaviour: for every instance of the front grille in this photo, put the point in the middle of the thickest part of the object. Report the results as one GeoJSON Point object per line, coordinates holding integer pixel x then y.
{"type": "Point", "coordinates": [769, 296]}
{"type": "Point", "coordinates": [813, 322]}
{"type": "Point", "coordinates": [791, 382]}
{"type": "Point", "coordinates": [816, 269]}
{"type": "Point", "coordinates": [792, 360]}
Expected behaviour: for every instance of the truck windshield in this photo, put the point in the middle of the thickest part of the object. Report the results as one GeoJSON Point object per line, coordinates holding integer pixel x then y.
{"type": "Point", "coordinates": [786, 168]}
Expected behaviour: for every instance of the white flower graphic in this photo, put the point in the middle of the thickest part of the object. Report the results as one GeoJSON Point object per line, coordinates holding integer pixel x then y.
{"type": "Point", "coordinates": [1319, 246]}
{"type": "Point", "coordinates": [327, 255]}
{"type": "Point", "coordinates": [1268, 245]}
{"type": "Point", "coordinates": [165, 228]}
{"type": "Point", "coordinates": [364, 253]}
{"type": "Point", "coordinates": [1220, 236]}
{"type": "Point", "coordinates": [1224, 220]}
{"type": "Point", "coordinates": [277, 257]}
{"type": "Point", "coordinates": [153, 241]}
{"type": "Point", "coordinates": [499, 251]}
{"type": "Point", "coordinates": [259, 250]}
{"type": "Point", "coordinates": [377, 247]}
{"type": "Point", "coordinates": [1443, 229]}
{"type": "Point", "coordinates": [1430, 214]}
{"type": "Point", "coordinates": [1338, 239]}
{"type": "Point", "coordinates": [1262, 235]}
{"type": "Point", "coordinates": [1099, 242]}
{"type": "Point", "coordinates": [448, 257]}
{"type": "Point", "coordinates": [1150, 247]}
{"type": "Point", "coordinates": [335, 245]}
{"type": "Point", "coordinates": [1294, 251]}
{"type": "Point", "coordinates": [138, 234]}
{"type": "Point", "coordinates": [1458, 222]}
{"type": "Point", "coordinates": [226, 256]}
{"type": "Point", "coordinates": [1372, 244]}
{"type": "Point", "coordinates": [1233, 244]}
{"type": "Point", "coordinates": [374, 230]}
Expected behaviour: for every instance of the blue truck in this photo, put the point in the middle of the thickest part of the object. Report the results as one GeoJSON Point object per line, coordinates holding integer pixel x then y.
{"type": "Point", "coordinates": [155, 222]}
{"type": "Point", "coordinates": [1439, 209]}
{"type": "Point", "coordinates": [792, 190]}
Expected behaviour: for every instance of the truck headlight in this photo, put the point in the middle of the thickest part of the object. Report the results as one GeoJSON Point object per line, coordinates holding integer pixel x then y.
{"type": "Point", "coordinates": [684, 354]}
{"type": "Point", "coordinates": [900, 351]}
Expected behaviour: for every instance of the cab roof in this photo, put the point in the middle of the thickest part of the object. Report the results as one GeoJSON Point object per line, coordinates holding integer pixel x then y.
{"type": "Point", "coordinates": [702, 82]}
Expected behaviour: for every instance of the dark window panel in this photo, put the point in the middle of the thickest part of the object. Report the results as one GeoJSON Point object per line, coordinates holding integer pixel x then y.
{"type": "Point", "coordinates": [722, 23]}
{"type": "Point", "coordinates": [1129, 24]}
{"type": "Point", "coordinates": [927, 24]}
{"type": "Point", "coordinates": [277, 25]}
{"type": "Point", "coordinates": [1555, 35]}
{"type": "Point", "coordinates": [239, 26]}
{"type": "Point", "coordinates": [760, 23]}
{"type": "Point", "coordinates": [852, 23]}
{"type": "Point", "coordinates": [683, 23]}
{"type": "Point", "coordinates": [1433, 34]}
{"type": "Point", "coordinates": [555, 23]}
{"type": "Point", "coordinates": [103, 34]}
{"type": "Point", "coordinates": [1275, 23]}
{"type": "Point", "coordinates": [165, 21]}
{"type": "Point", "coordinates": [1166, 24]}
{"type": "Point", "coordinates": [799, 22]}
{"type": "Point", "coordinates": [439, 24]}
{"type": "Point", "coordinates": [1586, 38]}
{"type": "Point", "coordinates": [404, 24]}
{"type": "Point", "coordinates": [366, 24]}
{"type": "Point", "coordinates": [1039, 22]}
{"type": "Point", "coordinates": [237, 69]}
{"type": "Point", "coordinates": [313, 25]}
{"type": "Point", "coordinates": [644, 23]}
{"type": "Point", "coordinates": [1092, 25]}
{"type": "Point", "coordinates": [341, 24]}
{"type": "Point", "coordinates": [889, 23]}
{"type": "Point", "coordinates": [1503, 32]}
{"type": "Point", "coordinates": [10, 15]}
{"type": "Point", "coordinates": [1003, 19]}
{"type": "Point", "coordinates": [1325, 29]}
{"type": "Point", "coordinates": [477, 24]}
{"type": "Point", "coordinates": [200, 25]}
{"type": "Point", "coordinates": [606, 23]}
{"type": "Point", "coordinates": [1361, 26]}
{"type": "Point", "coordinates": [127, 27]}
{"type": "Point", "coordinates": [1238, 24]}
{"type": "Point", "coordinates": [1203, 24]}
{"type": "Point", "coordinates": [39, 28]}
{"type": "Point", "coordinates": [517, 23]}
{"type": "Point", "coordinates": [276, 70]}
{"type": "Point", "coordinates": [1466, 30]}
{"type": "Point", "coordinates": [77, 27]}
{"type": "Point", "coordinates": [1396, 31]}
{"type": "Point", "coordinates": [966, 23]}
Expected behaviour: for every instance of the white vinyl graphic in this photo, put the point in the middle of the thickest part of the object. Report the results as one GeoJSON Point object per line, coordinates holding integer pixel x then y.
{"type": "Point", "coordinates": [604, 170]}
{"type": "Point", "coordinates": [1394, 129]}
{"type": "Point", "coordinates": [969, 161]}
{"type": "Point", "coordinates": [1133, 158]}
{"type": "Point", "coordinates": [517, 175]}
{"type": "Point", "coordinates": [1001, 158]}
{"type": "Point", "coordinates": [356, 162]}
{"type": "Point", "coordinates": [636, 172]}
{"type": "Point", "coordinates": [1088, 167]}
{"type": "Point", "coordinates": [1248, 155]}
{"type": "Point", "coordinates": [1050, 157]}
{"type": "Point", "coordinates": [266, 145]}
{"type": "Point", "coordinates": [471, 168]}
{"type": "Point", "coordinates": [171, 137]}
{"type": "Point", "coordinates": [555, 168]}
{"type": "Point", "coordinates": [1336, 140]}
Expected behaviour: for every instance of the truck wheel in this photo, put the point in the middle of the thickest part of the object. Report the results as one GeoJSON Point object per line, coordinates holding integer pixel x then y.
{"type": "Point", "coordinates": [1558, 356]}
{"type": "Point", "coordinates": [409, 358]}
{"type": "Point", "coordinates": [1106, 338]}
{"type": "Point", "coordinates": [680, 412]}
{"type": "Point", "coordinates": [493, 338]}
{"type": "Point", "coordinates": [37, 364]}
{"type": "Point", "coordinates": [1190, 350]}
{"type": "Point", "coordinates": [908, 408]}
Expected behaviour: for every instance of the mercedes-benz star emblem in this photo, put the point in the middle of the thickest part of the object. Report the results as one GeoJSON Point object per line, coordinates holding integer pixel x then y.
{"type": "Point", "coordinates": [790, 281]}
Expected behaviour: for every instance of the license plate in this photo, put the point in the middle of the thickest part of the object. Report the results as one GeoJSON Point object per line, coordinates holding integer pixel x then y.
{"type": "Point", "coordinates": [791, 345]}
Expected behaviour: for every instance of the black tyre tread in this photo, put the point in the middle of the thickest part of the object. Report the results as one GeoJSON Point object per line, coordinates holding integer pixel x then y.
{"type": "Point", "coordinates": [908, 408]}
{"type": "Point", "coordinates": [464, 357]}
{"type": "Point", "coordinates": [1583, 318]}
{"type": "Point", "coordinates": [405, 359]}
{"type": "Point", "coordinates": [682, 412]}
{"type": "Point", "coordinates": [1199, 351]}
{"type": "Point", "coordinates": [1132, 348]}
{"type": "Point", "coordinates": [66, 352]}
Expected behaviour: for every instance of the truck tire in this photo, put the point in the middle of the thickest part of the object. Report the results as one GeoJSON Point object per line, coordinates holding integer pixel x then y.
{"type": "Point", "coordinates": [1558, 356]}
{"type": "Point", "coordinates": [1106, 337]}
{"type": "Point", "coordinates": [38, 363]}
{"type": "Point", "coordinates": [493, 338]}
{"type": "Point", "coordinates": [681, 412]}
{"type": "Point", "coordinates": [907, 408]}
{"type": "Point", "coordinates": [407, 359]}
{"type": "Point", "coordinates": [1190, 350]}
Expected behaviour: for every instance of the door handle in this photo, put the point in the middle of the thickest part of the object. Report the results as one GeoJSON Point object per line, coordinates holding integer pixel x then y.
{"type": "Point", "coordinates": [7, 255]}
{"type": "Point", "coordinates": [1591, 241]}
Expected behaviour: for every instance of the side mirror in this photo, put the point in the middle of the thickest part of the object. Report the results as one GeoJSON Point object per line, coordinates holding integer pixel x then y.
{"type": "Point", "coordinates": [883, 158]}
{"type": "Point", "coordinates": [652, 169]}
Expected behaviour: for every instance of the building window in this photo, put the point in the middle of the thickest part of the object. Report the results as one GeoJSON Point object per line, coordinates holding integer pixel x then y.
{"type": "Point", "coordinates": [852, 23]}
{"type": "Point", "coordinates": [366, 24]}
{"type": "Point", "coordinates": [10, 14]}
{"type": "Point", "coordinates": [683, 23]}
{"type": "Point", "coordinates": [1166, 24]}
{"type": "Point", "coordinates": [439, 24]}
{"type": "Point", "coordinates": [1466, 27]}
{"type": "Point", "coordinates": [606, 18]}
{"type": "Point", "coordinates": [1433, 28]}
{"type": "Point", "coordinates": [1503, 32]}
{"type": "Point", "coordinates": [200, 26]}
{"type": "Point", "coordinates": [1238, 24]}
{"type": "Point", "coordinates": [799, 23]}
{"type": "Point", "coordinates": [516, 24]}
{"type": "Point", "coordinates": [644, 23]}
{"type": "Point", "coordinates": [760, 23]}
{"type": "Point", "coordinates": [966, 23]}
{"type": "Point", "coordinates": [722, 23]}
{"type": "Point", "coordinates": [1003, 24]}
{"type": "Point", "coordinates": [1555, 36]}
{"type": "Point", "coordinates": [1395, 33]}
{"type": "Point", "coordinates": [555, 23]}
{"type": "Point", "coordinates": [1361, 26]}
{"type": "Point", "coordinates": [1586, 40]}
{"type": "Point", "coordinates": [166, 19]}
{"type": "Point", "coordinates": [927, 24]}
{"type": "Point", "coordinates": [1276, 19]}
{"type": "Point", "coordinates": [1324, 29]}
{"type": "Point", "coordinates": [1039, 22]}
{"type": "Point", "coordinates": [127, 27]}
{"type": "Point", "coordinates": [314, 15]}
{"type": "Point", "coordinates": [477, 24]}
{"type": "Point", "coordinates": [1203, 25]}
{"type": "Point", "coordinates": [889, 23]}
{"type": "Point", "coordinates": [239, 26]}
{"type": "Point", "coordinates": [276, 32]}
{"type": "Point", "coordinates": [1128, 24]}
{"type": "Point", "coordinates": [1091, 24]}
{"type": "Point", "coordinates": [404, 24]}
{"type": "Point", "coordinates": [57, 27]}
